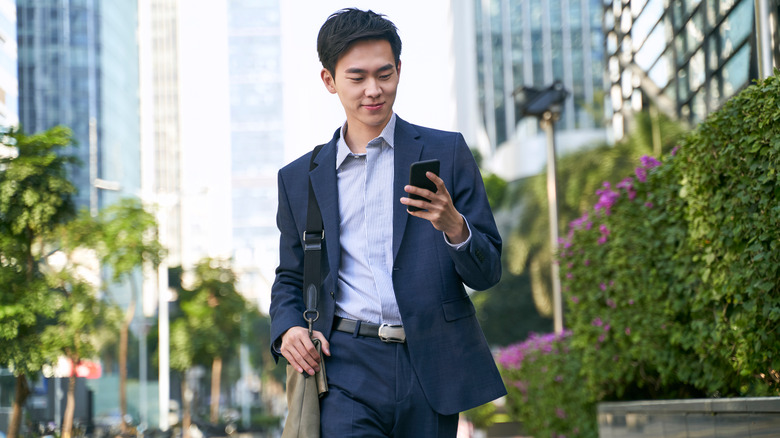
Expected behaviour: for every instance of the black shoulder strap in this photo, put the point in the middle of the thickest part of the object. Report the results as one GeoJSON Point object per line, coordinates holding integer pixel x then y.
{"type": "Point", "coordinates": [313, 238]}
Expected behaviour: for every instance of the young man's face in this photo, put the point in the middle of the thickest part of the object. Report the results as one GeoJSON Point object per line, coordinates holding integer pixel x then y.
{"type": "Point", "coordinates": [365, 79]}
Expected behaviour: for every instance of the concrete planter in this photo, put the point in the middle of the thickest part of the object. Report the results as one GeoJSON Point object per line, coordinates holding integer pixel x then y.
{"type": "Point", "coordinates": [700, 418]}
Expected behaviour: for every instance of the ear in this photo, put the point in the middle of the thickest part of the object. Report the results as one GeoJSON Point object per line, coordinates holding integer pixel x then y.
{"type": "Point", "coordinates": [328, 80]}
{"type": "Point", "coordinates": [398, 69]}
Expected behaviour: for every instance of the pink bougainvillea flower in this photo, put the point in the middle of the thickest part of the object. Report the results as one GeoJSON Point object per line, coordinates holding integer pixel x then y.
{"type": "Point", "coordinates": [628, 185]}
{"type": "Point", "coordinates": [641, 174]}
{"type": "Point", "coordinates": [649, 162]}
{"type": "Point", "coordinates": [604, 233]}
{"type": "Point", "coordinates": [607, 198]}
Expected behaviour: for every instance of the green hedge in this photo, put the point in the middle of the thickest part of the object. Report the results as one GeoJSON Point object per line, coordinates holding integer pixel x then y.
{"type": "Point", "coordinates": [671, 281]}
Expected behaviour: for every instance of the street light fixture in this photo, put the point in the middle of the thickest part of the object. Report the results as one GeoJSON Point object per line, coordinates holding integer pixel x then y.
{"type": "Point", "coordinates": [546, 105]}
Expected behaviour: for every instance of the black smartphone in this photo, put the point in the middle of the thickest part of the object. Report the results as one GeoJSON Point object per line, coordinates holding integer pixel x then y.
{"type": "Point", "coordinates": [417, 178]}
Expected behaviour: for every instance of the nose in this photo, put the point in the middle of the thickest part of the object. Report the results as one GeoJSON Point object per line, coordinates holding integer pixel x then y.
{"type": "Point", "coordinates": [373, 88]}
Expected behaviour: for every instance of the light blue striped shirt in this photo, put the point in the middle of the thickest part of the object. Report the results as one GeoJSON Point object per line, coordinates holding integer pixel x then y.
{"type": "Point", "coordinates": [365, 184]}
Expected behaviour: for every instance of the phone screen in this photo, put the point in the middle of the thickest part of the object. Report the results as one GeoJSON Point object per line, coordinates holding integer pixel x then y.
{"type": "Point", "coordinates": [417, 178]}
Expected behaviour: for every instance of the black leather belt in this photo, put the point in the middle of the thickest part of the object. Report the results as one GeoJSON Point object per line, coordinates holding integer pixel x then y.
{"type": "Point", "coordinates": [385, 332]}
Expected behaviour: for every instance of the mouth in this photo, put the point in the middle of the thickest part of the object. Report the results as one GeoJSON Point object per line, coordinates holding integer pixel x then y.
{"type": "Point", "coordinates": [373, 106]}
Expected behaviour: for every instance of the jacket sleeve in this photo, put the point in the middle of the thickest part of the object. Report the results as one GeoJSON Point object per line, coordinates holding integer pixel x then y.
{"type": "Point", "coordinates": [287, 306]}
{"type": "Point", "coordinates": [479, 262]}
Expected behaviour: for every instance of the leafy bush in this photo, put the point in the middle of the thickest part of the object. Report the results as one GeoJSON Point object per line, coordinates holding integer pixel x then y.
{"type": "Point", "coordinates": [671, 281]}
{"type": "Point", "coordinates": [545, 391]}
{"type": "Point", "coordinates": [730, 173]}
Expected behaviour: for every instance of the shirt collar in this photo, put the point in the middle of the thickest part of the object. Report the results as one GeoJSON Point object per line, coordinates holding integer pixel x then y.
{"type": "Point", "coordinates": [388, 135]}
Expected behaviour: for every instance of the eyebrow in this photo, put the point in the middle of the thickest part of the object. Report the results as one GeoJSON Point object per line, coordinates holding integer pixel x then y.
{"type": "Point", "coordinates": [356, 70]}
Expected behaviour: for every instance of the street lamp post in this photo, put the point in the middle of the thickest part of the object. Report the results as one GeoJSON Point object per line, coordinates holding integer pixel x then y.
{"type": "Point", "coordinates": [546, 105]}
{"type": "Point", "coordinates": [766, 47]}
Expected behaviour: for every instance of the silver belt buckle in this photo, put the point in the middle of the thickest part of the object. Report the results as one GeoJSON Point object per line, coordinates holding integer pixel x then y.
{"type": "Point", "coordinates": [392, 333]}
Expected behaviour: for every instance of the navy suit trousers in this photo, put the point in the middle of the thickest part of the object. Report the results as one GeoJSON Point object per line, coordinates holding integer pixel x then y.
{"type": "Point", "coordinates": [374, 392]}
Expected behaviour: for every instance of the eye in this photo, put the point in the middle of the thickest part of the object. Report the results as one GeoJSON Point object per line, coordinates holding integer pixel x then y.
{"type": "Point", "coordinates": [385, 77]}
{"type": "Point", "coordinates": [355, 79]}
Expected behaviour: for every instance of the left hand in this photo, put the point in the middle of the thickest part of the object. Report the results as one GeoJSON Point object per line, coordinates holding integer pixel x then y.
{"type": "Point", "coordinates": [440, 211]}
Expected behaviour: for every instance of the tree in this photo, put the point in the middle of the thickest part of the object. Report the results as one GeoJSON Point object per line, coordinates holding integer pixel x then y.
{"type": "Point", "coordinates": [181, 360]}
{"type": "Point", "coordinates": [80, 316]}
{"type": "Point", "coordinates": [35, 196]}
{"type": "Point", "coordinates": [207, 329]}
{"type": "Point", "coordinates": [127, 238]}
{"type": "Point", "coordinates": [214, 310]}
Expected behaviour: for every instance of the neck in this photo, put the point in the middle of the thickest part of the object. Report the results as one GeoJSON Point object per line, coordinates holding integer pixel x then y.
{"type": "Point", "coordinates": [357, 136]}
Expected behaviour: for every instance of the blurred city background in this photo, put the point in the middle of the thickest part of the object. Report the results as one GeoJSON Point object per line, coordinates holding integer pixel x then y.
{"type": "Point", "coordinates": [190, 107]}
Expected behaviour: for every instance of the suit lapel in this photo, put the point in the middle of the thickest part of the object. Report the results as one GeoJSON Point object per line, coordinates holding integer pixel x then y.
{"type": "Point", "coordinates": [323, 179]}
{"type": "Point", "coordinates": [407, 150]}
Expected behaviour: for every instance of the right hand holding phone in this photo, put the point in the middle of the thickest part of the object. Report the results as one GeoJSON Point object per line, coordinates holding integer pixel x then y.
{"type": "Point", "coordinates": [440, 211]}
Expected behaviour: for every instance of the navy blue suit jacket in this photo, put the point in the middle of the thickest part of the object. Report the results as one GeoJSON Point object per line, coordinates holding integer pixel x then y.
{"type": "Point", "coordinates": [446, 345]}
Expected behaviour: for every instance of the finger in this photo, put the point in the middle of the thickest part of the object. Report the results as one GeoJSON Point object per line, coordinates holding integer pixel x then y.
{"type": "Point", "coordinates": [441, 188]}
{"type": "Point", "coordinates": [435, 179]}
{"type": "Point", "coordinates": [294, 357]}
{"type": "Point", "coordinates": [323, 342]}
{"type": "Point", "coordinates": [303, 362]}
{"type": "Point", "coordinates": [310, 357]}
{"type": "Point", "coordinates": [298, 349]}
{"type": "Point", "coordinates": [419, 191]}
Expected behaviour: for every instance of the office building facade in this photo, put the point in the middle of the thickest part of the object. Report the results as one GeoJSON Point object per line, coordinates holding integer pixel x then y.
{"type": "Point", "coordinates": [78, 67]}
{"type": "Point", "coordinates": [685, 57]}
{"type": "Point", "coordinates": [256, 139]}
{"type": "Point", "coordinates": [534, 43]}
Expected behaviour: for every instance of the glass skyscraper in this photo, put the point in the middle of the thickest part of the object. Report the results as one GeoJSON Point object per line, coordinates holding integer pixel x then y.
{"type": "Point", "coordinates": [256, 137]}
{"type": "Point", "coordinates": [78, 66]}
{"type": "Point", "coordinates": [534, 43]}
{"type": "Point", "coordinates": [686, 57]}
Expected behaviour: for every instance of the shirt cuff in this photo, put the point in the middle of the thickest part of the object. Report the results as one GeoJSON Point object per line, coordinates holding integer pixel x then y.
{"type": "Point", "coordinates": [458, 246]}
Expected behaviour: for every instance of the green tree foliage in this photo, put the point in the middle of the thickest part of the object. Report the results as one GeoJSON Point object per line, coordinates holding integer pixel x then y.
{"type": "Point", "coordinates": [126, 239]}
{"type": "Point", "coordinates": [211, 322]}
{"type": "Point", "coordinates": [80, 317]}
{"type": "Point", "coordinates": [35, 196]}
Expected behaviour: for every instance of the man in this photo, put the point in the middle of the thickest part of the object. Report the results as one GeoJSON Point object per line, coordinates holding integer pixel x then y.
{"type": "Point", "coordinates": [384, 265]}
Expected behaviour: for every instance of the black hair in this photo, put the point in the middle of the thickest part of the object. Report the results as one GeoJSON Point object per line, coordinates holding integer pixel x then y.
{"type": "Point", "coordinates": [348, 26]}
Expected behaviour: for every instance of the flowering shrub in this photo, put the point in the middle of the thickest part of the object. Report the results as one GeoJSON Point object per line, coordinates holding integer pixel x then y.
{"type": "Point", "coordinates": [625, 267]}
{"type": "Point", "coordinates": [545, 391]}
{"type": "Point", "coordinates": [671, 280]}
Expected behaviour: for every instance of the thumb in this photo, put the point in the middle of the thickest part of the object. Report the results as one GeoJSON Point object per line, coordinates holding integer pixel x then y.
{"type": "Point", "coordinates": [324, 342]}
